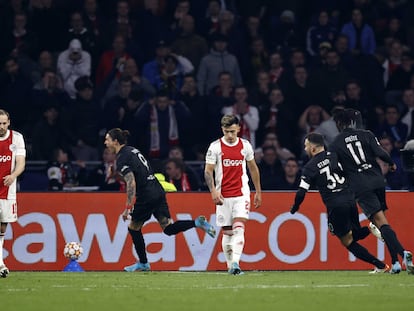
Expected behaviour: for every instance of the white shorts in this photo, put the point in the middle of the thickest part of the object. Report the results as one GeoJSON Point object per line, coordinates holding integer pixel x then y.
{"type": "Point", "coordinates": [236, 207]}
{"type": "Point", "coordinates": [8, 211]}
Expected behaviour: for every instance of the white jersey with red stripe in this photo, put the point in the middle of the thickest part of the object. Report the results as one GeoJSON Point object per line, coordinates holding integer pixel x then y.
{"type": "Point", "coordinates": [230, 166]}
{"type": "Point", "coordinates": [11, 145]}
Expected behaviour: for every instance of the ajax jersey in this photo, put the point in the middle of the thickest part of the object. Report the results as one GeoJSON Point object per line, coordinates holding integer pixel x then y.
{"type": "Point", "coordinates": [230, 166]}
{"type": "Point", "coordinates": [11, 146]}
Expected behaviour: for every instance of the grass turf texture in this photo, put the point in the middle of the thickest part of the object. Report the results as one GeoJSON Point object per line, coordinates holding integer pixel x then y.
{"type": "Point", "coordinates": [253, 291]}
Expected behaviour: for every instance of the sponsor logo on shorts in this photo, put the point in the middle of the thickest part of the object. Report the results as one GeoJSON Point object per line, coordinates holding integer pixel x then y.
{"type": "Point", "coordinates": [229, 162]}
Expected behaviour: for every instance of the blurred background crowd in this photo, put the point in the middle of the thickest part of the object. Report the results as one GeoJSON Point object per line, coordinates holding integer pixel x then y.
{"type": "Point", "coordinates": [167, 70]}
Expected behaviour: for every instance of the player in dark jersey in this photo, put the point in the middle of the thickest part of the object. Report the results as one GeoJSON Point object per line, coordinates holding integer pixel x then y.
{"type": "Point", "coordinates": [357, 150]}
{"type": "Point", "coordinates": [337, 196]}
{"type": "Point", "coordinates": [145, 197]}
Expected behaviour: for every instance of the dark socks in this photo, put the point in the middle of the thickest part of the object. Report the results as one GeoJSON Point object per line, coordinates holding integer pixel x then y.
{"type": "Point", "coordinates": [391, 240]}
{"type": "Point", "coordinates": [139, 244]}
{"type": "Point", "coordinates": [179, 226]}
{"type": "Point", "coordinates": [362, 253]}
{"type": "Point", "coordinates": [360, 233]}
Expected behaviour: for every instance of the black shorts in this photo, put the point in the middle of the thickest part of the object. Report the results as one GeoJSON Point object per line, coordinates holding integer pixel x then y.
{"type": "Point", "coordinates": [371, 202]}
{"type": "Point", "coordinates": [143, 210]}
{"type": "Point", "coordinates": [341, 218]}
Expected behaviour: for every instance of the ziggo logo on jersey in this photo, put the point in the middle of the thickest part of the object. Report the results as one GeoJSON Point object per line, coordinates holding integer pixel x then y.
{"type": "Point", "coordinates": [229, 162]}
{"type": "Point", "coordinates": [5, 158]}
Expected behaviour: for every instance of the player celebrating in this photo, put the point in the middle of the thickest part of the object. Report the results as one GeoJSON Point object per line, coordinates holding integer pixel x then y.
{"type": "Point", "coordinates": [357, 150]}
{"type": "Point", "coordinates": [13, 158]}
{"type": "Point", "coordinates": [226, 158]}
{"type": "Point", "coordinates": [337, 196]}
{"type": "Point", "coordinates": [145, 197]}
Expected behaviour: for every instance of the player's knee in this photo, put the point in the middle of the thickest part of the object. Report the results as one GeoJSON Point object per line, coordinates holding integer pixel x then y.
{"type": "Point", "coordinates": [238, 227]}
{"type": "Point", "coordinates": [347, 239]}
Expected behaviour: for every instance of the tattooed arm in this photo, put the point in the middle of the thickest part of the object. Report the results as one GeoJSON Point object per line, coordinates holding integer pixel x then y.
{"type": "Point", "coordinates": [130, 192]}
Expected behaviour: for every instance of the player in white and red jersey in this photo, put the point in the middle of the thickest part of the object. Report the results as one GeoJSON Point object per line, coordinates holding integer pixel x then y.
{"type": "Point", "coordinates": [12, 163]}
{"type": "Point", "coordinates": [226, 177]}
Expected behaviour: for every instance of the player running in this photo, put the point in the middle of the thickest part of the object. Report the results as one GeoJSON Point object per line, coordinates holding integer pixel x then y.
{"type": "Point", "coordinates": [337, 197]}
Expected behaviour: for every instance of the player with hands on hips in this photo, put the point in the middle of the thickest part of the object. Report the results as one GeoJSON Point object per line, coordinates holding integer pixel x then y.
{"type": "Point", "coordinates": [226, 177]}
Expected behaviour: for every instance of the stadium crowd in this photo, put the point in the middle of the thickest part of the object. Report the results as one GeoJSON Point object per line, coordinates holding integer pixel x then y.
{"type": "Point", "coordinates": [168, 70]}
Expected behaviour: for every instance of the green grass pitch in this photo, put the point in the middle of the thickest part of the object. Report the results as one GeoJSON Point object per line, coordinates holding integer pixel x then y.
{"type": "Point", "coordinates": [253, 291]}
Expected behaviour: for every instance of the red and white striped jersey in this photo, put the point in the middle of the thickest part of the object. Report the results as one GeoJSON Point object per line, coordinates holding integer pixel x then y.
{"type": "Point", "coordinates": [230, 166]}
{"type": "Point", "coordinates": [11, 145]}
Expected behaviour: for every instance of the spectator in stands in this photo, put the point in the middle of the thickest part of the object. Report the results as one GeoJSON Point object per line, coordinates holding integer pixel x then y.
{"type": "Point", "coordinates": [183, 180]}
{"type": "Point", "coordinates": [152, 69]}
{"type": "Point", "coordinates": [105, 176]}
{"type": "Point", "coordinates": [72, 64]}
{"type": "Point", "coordinates": [114, 107]}
{"type": "Point", "coordinates": [139, 83]}
{"type": "Point", "coordinates": [271, 140]}
{"type": "Point", "coordinates": [310, 119]}
{"type": "Point", "coordinates": [360, 35]}
{"type": "Point", "coordinates": [62, 173]}
{"type": "Point", "coordinates": [290, 178]}
{"type": "Point", "coordinates": [260, 90]}
{"type": "Point", "coordinates": [299, 91]}
{"type": "Point", "coordinates": [19, 42]}
{"type": "Point", "coordinates": [94, 20]}
{"type": "Point", "coordinates": [297, 58]}
{"type": "Point", "coordinates": [219, 97]}
{"type": "Point", "coordinates": [127, 115]}
{"type": "Point", "coordinates": [182, 9]}
{"type": "Point", "coordinates": [258, 58]}
{"type": "Point", "coordinates": [190, 96]}
{"type": "Point", "coordinates": [408, 118]}
{"type": "Point", "coordinates": [49, 91]}
{"type": "Point", "coordinates": [328, 128]}
{"type": "Point", "coordinates": [393, 127]}
{"type": "Point", "coordinates": [15, 95]}
{"type": "Point", "coordinates": [48, 21]}
{"type": "Point", "coordinates": [276, 116]}
{"type": "Point", "coordinates": [45, 62]}
{"type": "Point", "coordinates": [161, 123]}
{"type": "Point", "coordinates": [48, 134]}
{"type": "Point", "coordinates": [270, 168]}
{"type": "Point", "coordinates": [286, 32]}
{"type": "Point", "coordinates": [276, 69]}
{"type": "Point", "coordinates": [188, 43]}
{"type": "Point", "coordinates": [401, 77]}
{"type": "Point", "coordinates": [247, 114]}
{"type": "Point", "coordinates": [341, 45]}
{"type": "Point", "coordinates": [210, 24]}
{"type": "Point", "coordinates": [398, 179]}
{"type": "Point", "coordinates": [358, 100]}
{"type": "Point", "coordinates": [393, 32]}
{"type": "Point", "coordinates": [393, 61]}
{"type": "Point", "coordinates": [328, 79]}
{"type": "Point", "coordinates": [86, 112]}
{"type": "Point", "coordinates": [218, 60]}
{"type": "Point", "coordinates": [170, 78]}
{"type": "Point", "coordinates": [322, 31]}
{"type": "Point", "coordinates": [122, 22]}
{"type": "Point", "coordinates": [110, 58]}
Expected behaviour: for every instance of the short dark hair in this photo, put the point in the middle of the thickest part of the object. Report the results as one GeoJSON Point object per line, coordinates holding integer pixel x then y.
{"type": "Point", "coordinates": [228, 120]}
{"type": "Point", "coordinates": [315, 139]}
{"type": "Point", "coordinates": [347, 118]}
{"type": "Point", "coordinates": [120, 135]}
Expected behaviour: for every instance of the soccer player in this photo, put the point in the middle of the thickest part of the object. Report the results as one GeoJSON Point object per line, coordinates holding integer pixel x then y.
{"type": "Point", "coordinates": [13, 161]}
{"type": "Point", "coordinates": [337, 197]}
{"type": "Point", "coordinates": [357, 149]}
{"type": "Point", "coordinates": [226, 159]}
{"type": "Point", "coordinates": [144, 197]}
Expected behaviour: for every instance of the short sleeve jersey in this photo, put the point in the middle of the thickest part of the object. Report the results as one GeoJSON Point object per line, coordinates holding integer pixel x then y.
{"type": "Point", "coordinates": [357, 151]}
{"type": "Point", "coordinates": [130, 159]}
{"type": "Point", "coordinates": [11, 145]}
{"type": "Point", "coordinates": [230, 166]}
{"type": "Point", "coordinates": [333, 187]}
